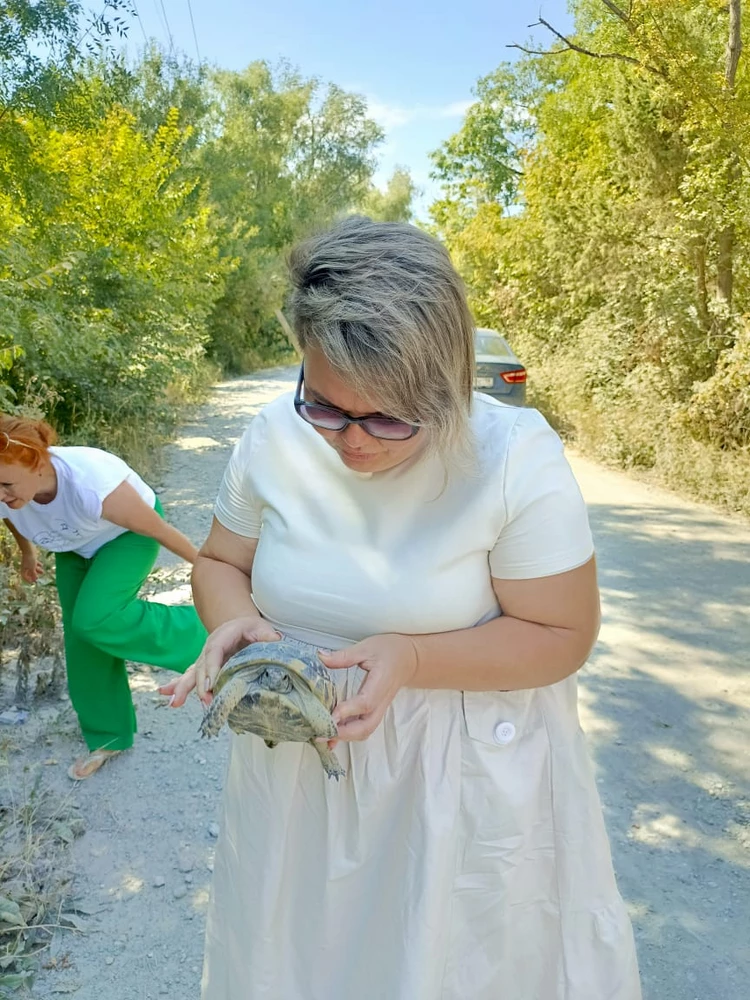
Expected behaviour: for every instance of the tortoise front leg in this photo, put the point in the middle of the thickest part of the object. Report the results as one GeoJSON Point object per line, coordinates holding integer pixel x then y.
{"type": "Point", "coordinates": [222, 706]}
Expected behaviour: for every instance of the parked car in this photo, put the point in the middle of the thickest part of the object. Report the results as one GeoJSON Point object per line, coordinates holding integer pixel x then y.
{"type": "Point", "coordinates": [499, 373]}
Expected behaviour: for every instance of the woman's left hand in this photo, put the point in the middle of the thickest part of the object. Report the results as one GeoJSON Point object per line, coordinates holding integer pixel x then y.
{"type": "Point", "coordinates": [31, 566]}
{"type": "Point", "coordinates": [390, 661]}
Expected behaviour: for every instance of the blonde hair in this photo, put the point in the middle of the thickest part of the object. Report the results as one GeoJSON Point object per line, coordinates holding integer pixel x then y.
{"type": "Point", "coordinates": [387, 309]}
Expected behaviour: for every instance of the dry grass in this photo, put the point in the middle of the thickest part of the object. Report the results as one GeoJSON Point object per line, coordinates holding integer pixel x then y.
{"type": "Point", "coordinates": [36, 827]}
{"type": "Point", "coordinates": [645, 436]}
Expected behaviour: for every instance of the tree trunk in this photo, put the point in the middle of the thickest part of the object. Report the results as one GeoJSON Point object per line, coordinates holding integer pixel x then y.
{"type": "Point", "coordinates": [725, 263]}
{"type": "Point", "coordinates": [704, 315]}
{"type": "Point", "coordinates": [734, 44]}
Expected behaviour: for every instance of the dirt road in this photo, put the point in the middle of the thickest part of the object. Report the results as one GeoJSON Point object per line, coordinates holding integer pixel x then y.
{"type": "Point", "coordinates": [665, 701]}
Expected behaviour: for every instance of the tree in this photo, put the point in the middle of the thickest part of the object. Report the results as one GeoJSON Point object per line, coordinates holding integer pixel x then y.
{"type": "Point", "coordinates": [616, 253]}
{"type": "Point", "coordinates": [483, 161]}
{"type": "Point", "coordinates": [395, 203]}
{"type": "Point", "coordinates": [107, 280]}
{"type": "Point", "coordinates": [283, 157]}
{"type": "Point", "coordinates": [40, 48]}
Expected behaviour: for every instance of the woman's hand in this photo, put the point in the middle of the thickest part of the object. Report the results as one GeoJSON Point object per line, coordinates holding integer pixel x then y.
{"type": "Point", "coordinates": [220, 645]}
{"type": "Point", "coordinates": [31, 567]}
{"type": "Point", "coordinates": [390, 661]}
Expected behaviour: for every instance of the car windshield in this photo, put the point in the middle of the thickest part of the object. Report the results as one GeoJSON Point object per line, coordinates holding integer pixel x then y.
{"type": "Point", "coordinates": [488, 343]}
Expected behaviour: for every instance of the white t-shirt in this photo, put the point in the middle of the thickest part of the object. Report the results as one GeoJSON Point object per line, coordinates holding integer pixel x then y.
{"type": "Point", "coordinates": [353, 554]}
{"type": "Point", "coordinates": [73, 521]}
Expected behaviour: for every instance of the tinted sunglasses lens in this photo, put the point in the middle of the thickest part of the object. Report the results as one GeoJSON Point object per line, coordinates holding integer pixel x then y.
{"type": "Point", "coordinates": [321, 416]}
{"type": "Point", "coordinates": [391, 430]}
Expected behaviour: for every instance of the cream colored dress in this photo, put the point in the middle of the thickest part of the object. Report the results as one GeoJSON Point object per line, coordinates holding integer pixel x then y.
{"type": "Point", "coordinates": [464, 855]}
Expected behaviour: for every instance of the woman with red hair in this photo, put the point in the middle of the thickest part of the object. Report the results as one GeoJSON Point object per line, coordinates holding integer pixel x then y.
{"type": "Point", "coordinates": [105, 526]}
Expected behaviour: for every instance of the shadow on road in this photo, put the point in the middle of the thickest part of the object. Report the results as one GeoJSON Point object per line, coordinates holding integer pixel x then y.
{"type": "Point", "coordinates": [665, 701]}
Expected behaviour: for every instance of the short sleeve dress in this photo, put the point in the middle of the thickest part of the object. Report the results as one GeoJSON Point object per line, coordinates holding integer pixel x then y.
{"type": "Point", "coordinates": [464, 855]}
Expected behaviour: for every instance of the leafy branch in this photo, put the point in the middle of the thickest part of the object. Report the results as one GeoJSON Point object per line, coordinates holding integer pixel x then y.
{"type": "Point", "coordinates": [571, 46]}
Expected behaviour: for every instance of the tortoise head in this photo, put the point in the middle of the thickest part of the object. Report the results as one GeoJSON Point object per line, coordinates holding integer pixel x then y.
{"type": "Point", "coordinates": [275, 678]}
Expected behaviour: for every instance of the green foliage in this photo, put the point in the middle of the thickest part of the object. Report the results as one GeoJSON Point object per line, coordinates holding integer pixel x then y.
{"type": "Point", "coordinates": [395, 203]}
{"type": "Point", "coordinates": [40, 43]}
{"type": "Point", "coordinates": [145, 212]}
{"type": "Point", "coordinates": [286, 157]}
{"type": "Point", "coordinates": [617, 260]}
{"type": "Point", "coordinates": [482, 162]}
{"type": "Point", "coordinates": [110, 274]}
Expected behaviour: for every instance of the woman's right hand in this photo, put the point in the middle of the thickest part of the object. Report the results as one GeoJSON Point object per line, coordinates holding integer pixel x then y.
{"type": "Point", "coordinates": [222, 643]}
{"type": "Point", "coordinates": [31, 567]}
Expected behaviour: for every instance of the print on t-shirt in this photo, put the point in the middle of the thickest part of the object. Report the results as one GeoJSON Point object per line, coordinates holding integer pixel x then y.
{"type": "Point", "coordinates": [51, 539]}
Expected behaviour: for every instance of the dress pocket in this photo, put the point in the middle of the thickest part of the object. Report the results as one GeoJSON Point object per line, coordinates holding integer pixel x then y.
{"type": "Point", "coordinates": [506, 787]}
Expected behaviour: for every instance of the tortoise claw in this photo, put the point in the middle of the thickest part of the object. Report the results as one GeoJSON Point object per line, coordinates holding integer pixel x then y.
{"type": "Point", "coordinates": [329, 760]}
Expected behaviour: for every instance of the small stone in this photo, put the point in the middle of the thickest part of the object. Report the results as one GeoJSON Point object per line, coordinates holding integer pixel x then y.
{"type": "Point", "coordinates": [185, 863]}
{"type": "Point", "coordinates": [159, 882]}
{"type": "Point", "coordinates": [109, 960]}
{"type": "Point", "coordinates": [189, 877]}
{"type": "Point", "coordinates": [213, 829]}
{"type": "Point", "coordinates": [179, 892]}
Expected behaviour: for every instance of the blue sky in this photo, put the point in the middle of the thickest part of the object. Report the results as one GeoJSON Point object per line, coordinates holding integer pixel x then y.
{"type": "Point", "coordinates": [416, 62]}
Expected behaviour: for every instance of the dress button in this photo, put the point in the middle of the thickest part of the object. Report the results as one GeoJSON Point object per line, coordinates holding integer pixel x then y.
{"type": "Point", "coordinates": [504, 732]}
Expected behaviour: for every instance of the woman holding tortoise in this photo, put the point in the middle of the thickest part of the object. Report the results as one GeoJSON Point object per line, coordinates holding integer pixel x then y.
{"type": "Point", "coordinates": [436, 544]}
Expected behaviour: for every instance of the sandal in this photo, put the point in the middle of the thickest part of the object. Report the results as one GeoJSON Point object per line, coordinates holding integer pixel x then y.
{"type": "Point", "coordinates": [84, 767]}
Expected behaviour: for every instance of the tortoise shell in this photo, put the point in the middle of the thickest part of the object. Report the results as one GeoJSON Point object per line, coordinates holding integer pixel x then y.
{"type": "Point", "coordinates": [280, 691]}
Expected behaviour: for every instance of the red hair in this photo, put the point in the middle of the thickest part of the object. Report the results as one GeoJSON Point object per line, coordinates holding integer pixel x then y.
{"type": "Point", "coordinates": [30, 441]}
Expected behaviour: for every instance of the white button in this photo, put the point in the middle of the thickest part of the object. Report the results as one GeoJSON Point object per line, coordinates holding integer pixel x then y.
{"type": "Point", "coordinates": [504, 732]}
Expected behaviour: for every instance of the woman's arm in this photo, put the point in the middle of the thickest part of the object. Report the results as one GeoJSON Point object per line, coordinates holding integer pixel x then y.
{"type": "Point", "coordinates": [31, 567]}
{"type": "Point", "coordinates": [125, 507]}
{"type": "Point", "coordinates": [548, 628]}
{"type": "Point", "coordinates": [221, 577]}
{"type": "Point", "coordinates": [23, 543]}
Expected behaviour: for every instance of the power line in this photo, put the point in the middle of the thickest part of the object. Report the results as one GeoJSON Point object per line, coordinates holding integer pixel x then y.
{"type": "Point", "coordinates": [161, 16]}
{"type": "Point", "coordinates": [195, 37]}
{"type": "Point", "coordinates": [169, 30]}
{"type": "Point", "coordinates": [138, 19]}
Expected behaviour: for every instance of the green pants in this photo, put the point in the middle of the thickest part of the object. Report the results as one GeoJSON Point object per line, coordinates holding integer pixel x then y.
{"type": "Point", "coordinates": [105, 624]}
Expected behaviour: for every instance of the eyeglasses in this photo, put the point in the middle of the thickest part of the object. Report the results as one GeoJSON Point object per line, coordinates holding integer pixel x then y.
{"type": "Point", "coordinates": [331, 418]}
{"type": "Point", "coordinates": [6, 442]}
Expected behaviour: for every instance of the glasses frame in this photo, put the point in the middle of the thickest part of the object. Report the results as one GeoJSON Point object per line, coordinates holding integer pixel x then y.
{"type": "Point", "coordinates": [347, 419]}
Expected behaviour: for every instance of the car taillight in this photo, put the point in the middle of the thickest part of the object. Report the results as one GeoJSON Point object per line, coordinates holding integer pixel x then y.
{"type": "Point", "coordinates": [512, 378]}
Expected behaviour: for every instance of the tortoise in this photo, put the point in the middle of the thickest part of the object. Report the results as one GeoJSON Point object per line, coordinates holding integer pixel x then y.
{"type": "Point", "coordinates": [282, 692]}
